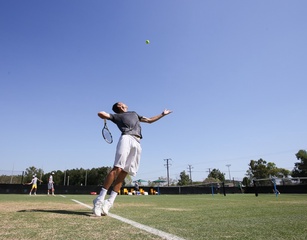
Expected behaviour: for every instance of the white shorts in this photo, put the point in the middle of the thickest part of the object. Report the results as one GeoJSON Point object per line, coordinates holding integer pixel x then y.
{"type": "Point", "coordinates": [50, 185]}
{"type": "Point", "coordinates": [128, 154]}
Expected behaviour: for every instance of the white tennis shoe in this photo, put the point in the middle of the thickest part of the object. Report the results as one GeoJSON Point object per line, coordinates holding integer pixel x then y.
{"type": "Point", "coordinates": [106, 207]}
{"type": "Point", "coordinates": [97, 207]}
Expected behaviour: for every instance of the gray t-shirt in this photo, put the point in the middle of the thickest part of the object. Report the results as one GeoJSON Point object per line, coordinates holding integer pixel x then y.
{"type": "Point", "coordinates": [128, 123]}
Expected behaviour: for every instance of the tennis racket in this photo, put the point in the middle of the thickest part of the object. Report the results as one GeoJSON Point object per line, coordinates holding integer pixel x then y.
{"type": "Point", "coordinates": [107, 136]}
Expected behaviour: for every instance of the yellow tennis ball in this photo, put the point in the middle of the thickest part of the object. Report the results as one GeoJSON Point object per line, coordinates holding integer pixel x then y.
{"type": "Point", "coordinates": [147, 41]}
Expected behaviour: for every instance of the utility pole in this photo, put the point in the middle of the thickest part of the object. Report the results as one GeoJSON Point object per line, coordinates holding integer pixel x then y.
{"type": "Point", "coordinates": [228, 165]}
{"type": "Point", "coordinates": [64, 177]}
{"type": "Point", "coordinates": [190, 171]}
{"type": "Point", "coordinates": [167, 168]}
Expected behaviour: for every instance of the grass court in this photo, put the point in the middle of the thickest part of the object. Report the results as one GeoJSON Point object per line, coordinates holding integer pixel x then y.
{"type": "Point", "coordinates": [236, 216]}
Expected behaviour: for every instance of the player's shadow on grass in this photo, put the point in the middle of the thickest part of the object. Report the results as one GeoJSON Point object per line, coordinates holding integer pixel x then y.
{"type": "Point", "coordinates": [66, 212]}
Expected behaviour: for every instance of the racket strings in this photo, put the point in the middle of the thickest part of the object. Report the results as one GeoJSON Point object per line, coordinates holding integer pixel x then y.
{"type": "Point", "coordinates": [107, 135]}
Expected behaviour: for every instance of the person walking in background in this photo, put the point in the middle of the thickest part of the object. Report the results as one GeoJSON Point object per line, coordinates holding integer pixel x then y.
{"type": "Point", "coordinates": [34, 184]}
{"type": "Point", "coordinates": [51, 184]}
{"type": "Point", "coordinates": [136, 188]}
{"type": "Point", "coordinates": [128, 152]}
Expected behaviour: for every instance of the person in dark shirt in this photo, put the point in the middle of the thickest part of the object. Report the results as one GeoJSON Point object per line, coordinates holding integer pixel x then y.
{"type": "Point", "coordinates": [128, 152]}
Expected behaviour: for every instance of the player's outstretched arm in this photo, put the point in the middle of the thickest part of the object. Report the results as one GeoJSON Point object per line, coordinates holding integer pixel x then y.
{"type": "Point", "coordinates": [156, 118]}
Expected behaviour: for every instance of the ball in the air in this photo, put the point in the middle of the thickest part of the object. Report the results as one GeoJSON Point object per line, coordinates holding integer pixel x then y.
{"type": "Point", "coordinates": [147, 41]}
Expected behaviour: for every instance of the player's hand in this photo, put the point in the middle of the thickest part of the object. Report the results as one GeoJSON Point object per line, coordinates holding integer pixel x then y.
{"type": "Point", "coordinates": [166, 112]}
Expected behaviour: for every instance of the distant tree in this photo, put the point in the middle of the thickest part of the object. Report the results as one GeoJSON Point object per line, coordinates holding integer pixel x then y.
{"type": "Point", "coordinates": [184, 179]}
{"type": "Point", "coordinates": [300, 168]}
{"type": "Point", "coordinates": [211, 180]}
{"type": "Point", "coordinates": [30, 171]}
{"type": "Point", "coordinates": [284, 172]}
{"type": "Point", "coordinates": [76, 176]}
{"type": "Point", "coordinates": [246, 181]}
{"type": "Point", "coordinates": [11, 179]}
{"type": "Point", "coordinates": [96, 176]}
{"type": "Point", "coordinates": [274, 171]}
{"type": "Point", "coordinates": [217, 174]}
{"type": "Point", "coordinates": [258, 169]}
{"type": "Point", "coordinates": [93, 176]}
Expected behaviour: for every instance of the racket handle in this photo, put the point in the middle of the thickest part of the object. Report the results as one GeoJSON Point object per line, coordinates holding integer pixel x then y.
{"type": "Point", "coordinates": [105, 121]}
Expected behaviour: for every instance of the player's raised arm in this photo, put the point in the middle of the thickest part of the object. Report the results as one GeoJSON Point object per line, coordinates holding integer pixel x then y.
{"type": "Point", "coordinates": [156, 118]}
{"type": "Point", "coordinates": [104, 115]}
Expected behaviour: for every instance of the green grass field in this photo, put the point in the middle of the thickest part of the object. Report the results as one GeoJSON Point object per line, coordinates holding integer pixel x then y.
{"type": "Point", "coordinates": [237, 216]}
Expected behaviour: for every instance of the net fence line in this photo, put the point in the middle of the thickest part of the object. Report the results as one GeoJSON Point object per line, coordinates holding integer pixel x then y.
{"type": "Point", "coordinates": [11, 172]}
{"type": "Point", "coordinates": [11, 176]}
{"type": "Point", "coordinates": [281, 181]}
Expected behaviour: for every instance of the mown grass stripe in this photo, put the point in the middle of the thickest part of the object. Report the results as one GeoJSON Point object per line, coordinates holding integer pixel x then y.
{"type": "Point", "coordinates": [151, 230]}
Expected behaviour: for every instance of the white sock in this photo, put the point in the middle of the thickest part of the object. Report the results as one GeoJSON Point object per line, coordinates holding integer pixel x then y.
{"type": "Point", "coordinates": [112, 197]}
{"type": "Point", "coordinates": [102, 194]}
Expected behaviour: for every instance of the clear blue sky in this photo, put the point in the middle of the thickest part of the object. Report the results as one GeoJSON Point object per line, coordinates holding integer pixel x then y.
{"type": "Point", "coordinates": [233, 72]}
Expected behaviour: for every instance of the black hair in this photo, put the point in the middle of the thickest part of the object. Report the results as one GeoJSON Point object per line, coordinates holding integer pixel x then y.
{"type": "Point", "coordinates": [115, 108]}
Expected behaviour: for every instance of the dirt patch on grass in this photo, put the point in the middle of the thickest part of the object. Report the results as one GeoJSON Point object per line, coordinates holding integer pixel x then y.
{"type": "Point", "coordinates": [133, 205]}
{"type": "Point", "coordinates": [31, 206]}
{"type": "Point", "coordinates": [174, 209]}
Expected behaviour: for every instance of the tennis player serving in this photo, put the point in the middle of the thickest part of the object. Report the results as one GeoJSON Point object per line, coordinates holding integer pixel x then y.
{"type": "Point", "coordinates": [128, 152]}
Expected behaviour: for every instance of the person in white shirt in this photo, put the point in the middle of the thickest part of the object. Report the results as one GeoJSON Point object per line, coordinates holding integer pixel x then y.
{"type": "Point", "coordinates": [51, 185]}
{"type": "Point", "coordinates": [34, 184]}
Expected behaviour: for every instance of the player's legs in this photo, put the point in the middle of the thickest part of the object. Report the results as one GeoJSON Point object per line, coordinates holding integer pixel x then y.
{"type": "Point", "coordinates": [49, 188]}
{"type": "Point", "coordinates": [119, 171]}
{"type": "Point", "coordinates": [119, 180]}
{"type": "Point", "coordinates": [113, 174]}
{"type": "Point", "coordinates": [133, 160]}
{"type": "Point", "coordinates": [127, 162]}
{"type": "Point", "coordinates": [125, 153]}
{"type": "Point", "coordinates": [33, 188]}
